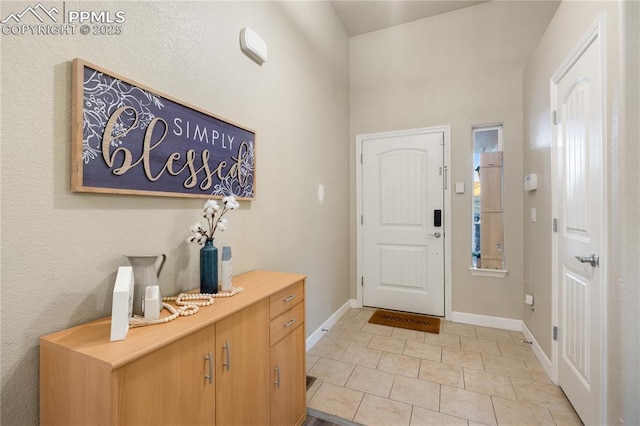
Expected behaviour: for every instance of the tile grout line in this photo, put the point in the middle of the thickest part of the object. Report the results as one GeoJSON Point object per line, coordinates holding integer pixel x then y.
{"type": "Point", "coordinates": [353, 419]}
{"type": "Point", "coordinates": [495, 415]}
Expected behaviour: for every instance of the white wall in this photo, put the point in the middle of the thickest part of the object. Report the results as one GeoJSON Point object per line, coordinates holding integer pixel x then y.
{"type": "Point", "coordinates": [622, 287]}
{"type": "Point", "coordinates": [61, 250]}
{"type": "Point", "coordinates": [462, 68]}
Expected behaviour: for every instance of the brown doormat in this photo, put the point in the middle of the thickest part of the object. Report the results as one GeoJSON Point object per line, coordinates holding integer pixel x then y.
{"type": "Point", "coordinates": [405, 320]}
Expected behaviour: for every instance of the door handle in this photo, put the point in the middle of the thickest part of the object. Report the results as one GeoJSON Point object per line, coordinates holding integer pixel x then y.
{"type": "Point", "coordinates": [593, 260]}
{"type": "Point", "coordinates": [436, 234]}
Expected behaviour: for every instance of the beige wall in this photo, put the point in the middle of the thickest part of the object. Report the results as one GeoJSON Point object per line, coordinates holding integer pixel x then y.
{"type": "Point", "coordinates": [60, 250]}
{"type": "Point", "coordinates": [622, 48]}
{"type": "Point", "coordinates": [461, 69]}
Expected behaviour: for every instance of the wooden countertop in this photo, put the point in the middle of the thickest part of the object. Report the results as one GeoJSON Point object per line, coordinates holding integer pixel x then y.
{"type": "Point", "coordinates": [92, 340]}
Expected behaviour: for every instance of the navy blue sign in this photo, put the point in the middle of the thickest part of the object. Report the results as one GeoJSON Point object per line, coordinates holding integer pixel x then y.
{"type": "Point", "coordinates": [135, 141]}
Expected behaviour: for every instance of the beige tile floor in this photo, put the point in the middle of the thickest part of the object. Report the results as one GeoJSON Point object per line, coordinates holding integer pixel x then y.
{"type": "Point", "coordinates": [466, 375]}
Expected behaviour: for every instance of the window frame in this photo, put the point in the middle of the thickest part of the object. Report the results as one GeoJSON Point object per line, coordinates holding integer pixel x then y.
{"type": "Point", "coordinates": [474, 270]}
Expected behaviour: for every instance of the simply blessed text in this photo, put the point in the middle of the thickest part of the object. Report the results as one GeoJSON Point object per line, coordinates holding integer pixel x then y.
{"type": "Point", "coordinates": [194, 164]}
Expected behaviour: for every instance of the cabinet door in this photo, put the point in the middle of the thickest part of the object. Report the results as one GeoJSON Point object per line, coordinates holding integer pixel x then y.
{"type": "Point", "coordinates": [242, 367]}
{"type": "Point", "coordinates": [169, 386]}
{"type": "Point", "coordinates": [288, 393]}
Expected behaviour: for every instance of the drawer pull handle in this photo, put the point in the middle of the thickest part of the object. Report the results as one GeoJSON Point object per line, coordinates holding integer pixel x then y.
{"type": "Point", "coordinates": [290, 298]}
{"type": "Point", "coordinates": [209, 376]}
{"type": "Point", "coordinates": [291, 322]}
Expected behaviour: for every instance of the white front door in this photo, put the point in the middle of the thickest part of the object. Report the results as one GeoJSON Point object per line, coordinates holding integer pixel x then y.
{"type": "Point", "coordinates": [580, 223]}
{"type": "Point", "coordinates": [403, 222]}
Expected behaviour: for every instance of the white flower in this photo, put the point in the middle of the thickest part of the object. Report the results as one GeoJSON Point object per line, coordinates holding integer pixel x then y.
{"type": "Point", "coordinates": [212, 204]}
{"type": "Point", "coordinates": [230, 202]}
{"type": "Point", "coordinates": [215, 221]}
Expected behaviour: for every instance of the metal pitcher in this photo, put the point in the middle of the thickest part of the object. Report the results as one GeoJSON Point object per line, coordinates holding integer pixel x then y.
{"type": "Point", "coordinates": [145, 274]}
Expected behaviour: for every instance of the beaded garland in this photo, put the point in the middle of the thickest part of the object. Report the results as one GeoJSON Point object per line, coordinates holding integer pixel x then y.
{"type": "Point", "coordinates": [188, 304]}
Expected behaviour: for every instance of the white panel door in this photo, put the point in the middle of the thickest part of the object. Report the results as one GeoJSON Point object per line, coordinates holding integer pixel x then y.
{"type": "Point", "coordinates": [403, 257]}
{"type": "Point", "coordinates": [580, 205]}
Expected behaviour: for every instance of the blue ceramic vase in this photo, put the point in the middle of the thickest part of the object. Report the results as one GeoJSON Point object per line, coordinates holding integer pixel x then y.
{"type": "Point", "coordinates": [209, 268]}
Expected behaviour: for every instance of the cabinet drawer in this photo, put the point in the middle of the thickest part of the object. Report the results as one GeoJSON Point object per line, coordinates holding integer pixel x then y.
{"type": "Point", "coordinates": [285, 299]}
{"type": "Point", "coordinates": [286, 323]}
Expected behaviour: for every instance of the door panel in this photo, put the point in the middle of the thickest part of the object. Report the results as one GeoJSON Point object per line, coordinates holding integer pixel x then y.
{"type": "Point", "coordinates": [403, 260]}
{"type": "Point", "coordinates": [576, 343]}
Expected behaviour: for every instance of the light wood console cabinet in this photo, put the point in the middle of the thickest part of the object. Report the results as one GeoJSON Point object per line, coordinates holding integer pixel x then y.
{"type": "Point", "coordinates": [240, 361]}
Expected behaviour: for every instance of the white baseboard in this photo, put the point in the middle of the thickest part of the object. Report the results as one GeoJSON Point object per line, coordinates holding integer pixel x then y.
{"type": "Point", "coordinates": [487, 321]}
{"type": "Point", "coordinates": [540, 354]}
{"type": "Point", "coordinates": [317, 335]}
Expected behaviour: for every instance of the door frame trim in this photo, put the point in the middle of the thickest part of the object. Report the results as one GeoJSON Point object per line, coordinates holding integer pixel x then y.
{"type": "Point", "coordinates": [595, 34]}
{"type": "Point", "coordinates": [360, 139]}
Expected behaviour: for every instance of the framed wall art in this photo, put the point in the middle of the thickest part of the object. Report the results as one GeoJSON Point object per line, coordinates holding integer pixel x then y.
{"type": "Point", "coordinates": [129, 139]}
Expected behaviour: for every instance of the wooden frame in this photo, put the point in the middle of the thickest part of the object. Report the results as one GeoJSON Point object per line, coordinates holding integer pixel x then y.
{"type": "Point", "coordinates": [129, 139]}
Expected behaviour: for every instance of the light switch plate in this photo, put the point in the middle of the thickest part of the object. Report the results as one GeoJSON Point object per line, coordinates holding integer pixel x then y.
{"type": "Point", "coordinates": [459, 187]}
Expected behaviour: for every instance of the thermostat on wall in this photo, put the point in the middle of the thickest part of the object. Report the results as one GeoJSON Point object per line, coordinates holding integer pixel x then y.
{"type": "Point", "coordinates": [253, 45]}
{"type": "Point", "coordinates": [531, 182]}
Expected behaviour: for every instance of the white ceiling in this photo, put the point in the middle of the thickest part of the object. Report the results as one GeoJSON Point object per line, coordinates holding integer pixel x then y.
{"type": "Point", "coordinates": [363, 16]}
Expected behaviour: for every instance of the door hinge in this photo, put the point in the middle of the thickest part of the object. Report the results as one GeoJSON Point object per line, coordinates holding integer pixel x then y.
{"type": "Point", "coordinates": [361, 219]}
{"type": "Point", "coordinates": [555, 332]}
{"type": "Point", "coordinates": [446, 169]}
{"type": "Point", "coordinates": [555, 224]}
{"type": "Point", "coordinates": [362, 281]}
{"type": "Point", "coordinates": [361, 158]}
{"type": "Point", "coordinates": [554, 116]}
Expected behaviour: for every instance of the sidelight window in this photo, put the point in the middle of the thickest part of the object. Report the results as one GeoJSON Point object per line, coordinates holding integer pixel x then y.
{"type": "Point", "coordinates": [488, 206]}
